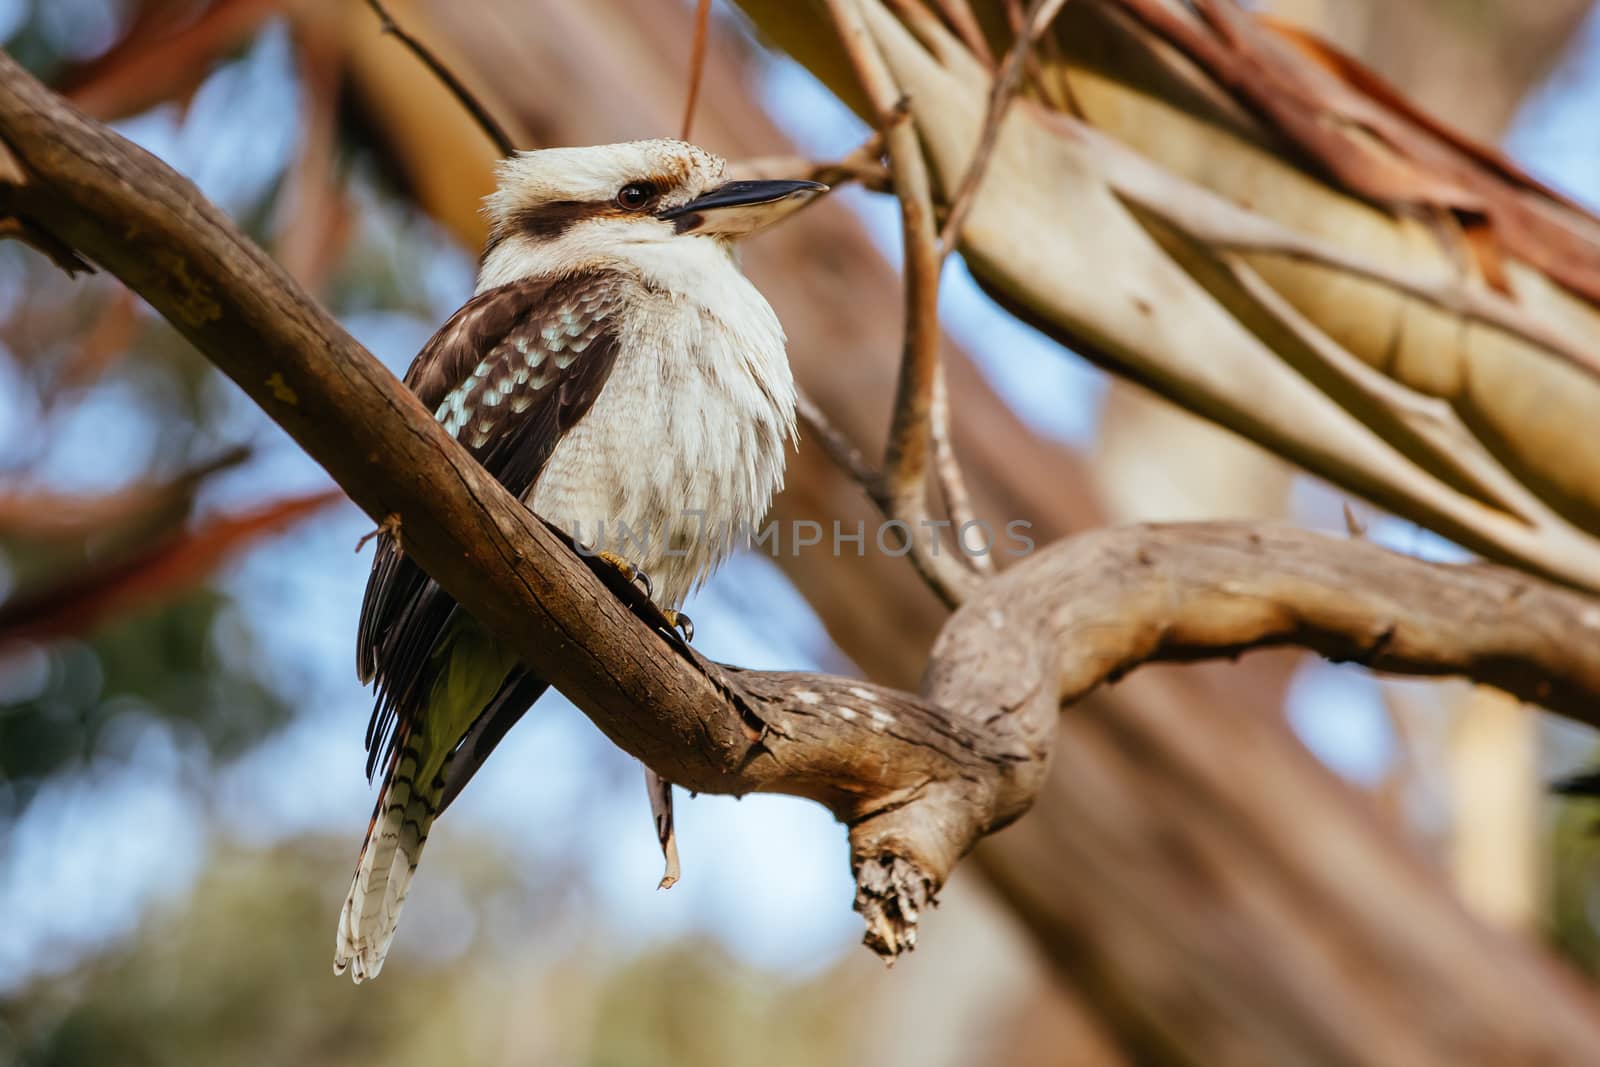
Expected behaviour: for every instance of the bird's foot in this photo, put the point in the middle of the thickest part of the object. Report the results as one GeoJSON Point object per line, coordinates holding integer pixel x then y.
{"type": "Point", "coordinates": [635, 590]}
{"type": "Point", "coordinates": [628, 571]}
{"type": "Point", "coordinates": [679, 623]}
{"type": "Point", "coordinates": [673, 624]}
{"type": "Point", "coordinates": [389, 527]}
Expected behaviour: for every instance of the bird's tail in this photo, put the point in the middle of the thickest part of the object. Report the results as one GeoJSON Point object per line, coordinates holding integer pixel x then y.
{"type": "Point", "coordinates": [473, 677]}
{"type": "Point", "coordinates": [406, 809]}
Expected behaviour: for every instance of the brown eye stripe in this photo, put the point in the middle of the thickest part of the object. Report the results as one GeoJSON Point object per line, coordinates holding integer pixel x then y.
{"type": "Point", "coordinates": [549, 221]}
{"type": "Point", "coordinates": [546, 222]}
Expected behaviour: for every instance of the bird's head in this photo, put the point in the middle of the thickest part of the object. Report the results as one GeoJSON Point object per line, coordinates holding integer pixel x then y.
{"type": "Point", "coordinates": [563, 207]}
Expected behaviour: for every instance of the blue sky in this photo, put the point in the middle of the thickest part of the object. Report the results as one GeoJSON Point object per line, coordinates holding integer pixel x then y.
{"type": "Point", "coordinates": [556, 791]}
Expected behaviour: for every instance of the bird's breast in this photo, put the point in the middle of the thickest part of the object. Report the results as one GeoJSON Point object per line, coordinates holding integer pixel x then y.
{"type": "Point", "coordinates": [675, 464]}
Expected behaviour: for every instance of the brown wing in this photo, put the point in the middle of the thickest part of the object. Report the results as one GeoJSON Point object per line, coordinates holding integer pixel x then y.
{"type": "Point", "coordinates": [511, 372]}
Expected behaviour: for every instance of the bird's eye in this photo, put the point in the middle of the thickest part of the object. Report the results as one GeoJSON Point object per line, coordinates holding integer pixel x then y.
{"type": "Point", "coordinates": [636, 195]}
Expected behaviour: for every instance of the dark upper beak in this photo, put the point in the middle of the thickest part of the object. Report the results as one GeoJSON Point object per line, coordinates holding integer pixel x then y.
{"type": "Point", "coordinates": [738, 208]}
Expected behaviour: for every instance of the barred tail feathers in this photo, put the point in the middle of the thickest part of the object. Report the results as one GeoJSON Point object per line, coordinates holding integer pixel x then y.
{"type": "Point", "coordinates": [388, 860]}
{"type": "Point", "coordinates": [469, 670]}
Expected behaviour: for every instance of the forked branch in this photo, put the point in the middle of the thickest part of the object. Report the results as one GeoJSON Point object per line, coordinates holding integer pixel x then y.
{"type": "Point", "coordinates": [919, 434]}
{"type": "Point", "coordinates": [911, 432]}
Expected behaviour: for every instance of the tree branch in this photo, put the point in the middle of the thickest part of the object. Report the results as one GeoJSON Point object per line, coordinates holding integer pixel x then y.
{"type": "Point", "coordinates": [863, 751]}
{"type": "Point", "coordinates": [906, 459]}
{"type": "Point", "coordinates": [1007, 80]}
{"type": "Point", "coordinates": [496, 133]}
{"type": "Point", "coordinates": [697, 66]}
{"type": "Point", "coordinates": [918, 779]}
{"type": "Point", "coordinates": [864, 164]}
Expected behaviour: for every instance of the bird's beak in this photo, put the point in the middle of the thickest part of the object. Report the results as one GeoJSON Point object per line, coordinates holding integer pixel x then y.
{"type": "Point", "coordinates": [735, 209]}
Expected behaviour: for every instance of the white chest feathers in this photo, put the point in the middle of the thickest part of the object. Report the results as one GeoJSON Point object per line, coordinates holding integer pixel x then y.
{"type": "Point", "coordinates": [675, 464]}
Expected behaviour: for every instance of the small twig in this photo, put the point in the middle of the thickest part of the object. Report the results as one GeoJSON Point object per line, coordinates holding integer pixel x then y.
{"type": "Point", "coordinates": [908, 452]}
{"type": "Point", "coordinates": [842, 451]}
{"type": "Point", "coordinates": [1007, 80]}
{"type": "Point", "coordinates": [952, 483]}
{"type": "Point", "coordinates": [848, 458]}
{"type": "Point", "coordinates": [863, 164]}
{"type": "Point", "coordinates": [947, 472]}
{"type": "Point", "coordinates": [697, 63]}
{"type": "Point", "coordinates": [958, 13]}
{"type": "Point", "coordinates": [491, 129]}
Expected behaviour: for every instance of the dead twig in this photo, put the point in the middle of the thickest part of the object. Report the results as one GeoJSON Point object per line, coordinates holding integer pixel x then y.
{"type": "Point", "coordinates": [697, 63]}
{"type": "Point", "coordinates": [480, 114]}
{"type": "Point", "coordinates": [907, 456]}
{"type": "Point", "coordinates": [863, 165]}
{"type": "Point", "coordinates": [845, 455]}
{"type": "Point", "coordinates": [1007, 80]}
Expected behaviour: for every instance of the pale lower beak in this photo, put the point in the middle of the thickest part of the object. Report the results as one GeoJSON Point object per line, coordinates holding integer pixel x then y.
{"type": "Point", "coordinates": [738, 208]}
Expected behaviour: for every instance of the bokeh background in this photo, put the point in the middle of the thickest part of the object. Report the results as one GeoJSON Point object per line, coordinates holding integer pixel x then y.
{"type": "Point", "coordinates": [181, 795]}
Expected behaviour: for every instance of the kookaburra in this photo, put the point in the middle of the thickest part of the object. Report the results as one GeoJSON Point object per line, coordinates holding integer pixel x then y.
{"type": "Point", "coordinates": [614, 369]}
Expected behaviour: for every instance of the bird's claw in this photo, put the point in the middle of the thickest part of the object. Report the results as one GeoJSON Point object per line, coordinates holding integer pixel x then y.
{"type": "Point", "coordinates": [674, 624]}
{"type": "Point", "coordinates": [630, 572]}
{"type": "Point", "coordinates": [680, 624]}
